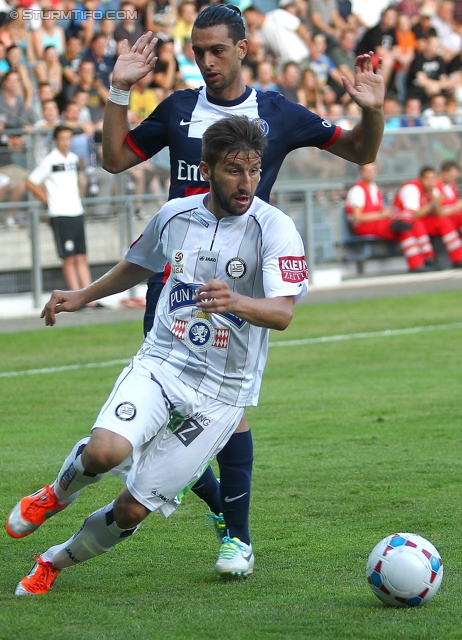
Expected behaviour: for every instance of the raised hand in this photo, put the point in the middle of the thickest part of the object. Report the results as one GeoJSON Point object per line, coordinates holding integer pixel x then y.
{"type": "Point", "coordinates": [135, 63]}
{"type": "Point", "coordinates": [369, 88]}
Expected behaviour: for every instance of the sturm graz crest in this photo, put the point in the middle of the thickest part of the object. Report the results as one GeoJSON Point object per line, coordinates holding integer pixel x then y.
{"type": "Point", "coordinates": [236, 268]}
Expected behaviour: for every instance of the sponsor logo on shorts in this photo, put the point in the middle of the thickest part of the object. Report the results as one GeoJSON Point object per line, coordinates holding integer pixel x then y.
{"type": "Point", "coordinates": [188, 431]}
{"type": "Point", "coordinates": [236, 268]}
{"type": "Point", "coordinates": [126, 411]}
{"type": "Point", "coordinates": [293, 268]}
{"type": "Point", "coordinates": [154, 492]}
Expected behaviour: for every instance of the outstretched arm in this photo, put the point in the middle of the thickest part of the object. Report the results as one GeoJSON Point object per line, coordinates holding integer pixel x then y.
{"type": "Point", "coordinates": [274, 313]}
{"type": "Point", "coordinates": [362, 143]}
{"type": "Point", "coordinates": [132, 65]}
{"type": "Point", "coordinates": [120, 278]}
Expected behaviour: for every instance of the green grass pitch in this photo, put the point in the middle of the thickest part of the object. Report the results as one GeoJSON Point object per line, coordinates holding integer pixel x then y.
{"type": "Point", "coordinates": [355, 438]}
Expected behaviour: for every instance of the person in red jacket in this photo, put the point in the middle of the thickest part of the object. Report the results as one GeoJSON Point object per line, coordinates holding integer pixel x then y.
{"type": "Point", "coordinates": [421, 200]}
{"type": "Point", "coordinates": [368, 215]}
{"type": "Point", "coordinates": [447, 184]}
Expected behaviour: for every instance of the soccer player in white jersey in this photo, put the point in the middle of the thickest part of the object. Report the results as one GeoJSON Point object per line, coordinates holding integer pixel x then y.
{"type": "Point", "coordinates": [238, 266]}
{"type": "Point", "coordinates": [219, 43]}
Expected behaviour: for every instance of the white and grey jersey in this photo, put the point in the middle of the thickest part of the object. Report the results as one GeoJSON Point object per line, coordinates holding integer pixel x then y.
{"type": "Point", "coordinates": [259, 254]}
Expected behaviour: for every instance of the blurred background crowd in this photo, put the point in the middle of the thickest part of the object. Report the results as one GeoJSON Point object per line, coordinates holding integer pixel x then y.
{"type": "Point", "coordinates": [56, 59]}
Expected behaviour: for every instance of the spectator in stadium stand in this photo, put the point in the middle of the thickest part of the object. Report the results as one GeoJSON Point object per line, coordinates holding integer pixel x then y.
{"type": "Point", "coordinates": [129, 26]}
{"type": "Point", "coordinates": [13, 176]}
{"type": "Point", "coordinates": [381, 39]}
{"type": "Point", "coordinates": [255, 53]}
{"type": "Point", "coordinates": [43, 130]}
{"type": "Point", "coordinates": [391, 111]}
{"type": "Point", "coordinates": [343, 55]}
{"type": "Point", "coordinates": [13, 108]}
{"type": "Point", "coordinates": [103, 64]}
{"type": "Point", "coordinates": [435, 116]}
{"type": "Point", "coordinates": [284, 36]}
{"type": "Point", "coordinates": [325, 18]}
{"type": "Point", "coordinates": [423, 29]}
{"type": "Point", "coordinates": [447, 184]}
{"type": "Point", "coordinates": [50, 33]}
{"type": "Point", "coordinates": [427, 73]}
{"type": "Point", "coordinates": [368, 215]}
{"type": "Point", "coordinates": [54, 182]}
{"type": "Point", "coordinates": [108, 26]}
{"type": "Point", "coordinates": [70, 61]}
{"type": "Point", "coordinates": [345, 10]}
{"type": "Point", "coordinates": [309, 93]}
{"type": "Point", "coordinates": [367, 13]}
{"type": "Point", "coordinates": [16, 32]}
{"type": "Point", "coordinates": [13, 58]}
{"type": "Point", "coordinates": [265, 80]}
{"type": "Point", "coordinates": [87, 21]}
{"type": "Point", "coordinates": [412, 113]}
{"type": "Point", "coordinates": [143, 100]}
{"type": "Point", "coordinates": [406, 43]}
{"type": "Point", "coordinates": [447, 30]}
{"type": "Point", "coordinates": [189, 71]}
{"type": "Point", "coordinates": [182, 28]}
{"type": "Point", "coordinates": [160, 16]}
{"type": "Point", "coordinates": [166, 74]}
{"type": "Point", "coordinates": [323, 66]}
{"type": "Point", "coordinates": [94, 87]}
{"type": "Point", "coordinates": [50, 70]}
{"type": "Point", "coordinates": [411, 9]}
{"type": "Point", "coordinates": [421, 200]}
{"type": "Point", "coordinates": [288, 81]}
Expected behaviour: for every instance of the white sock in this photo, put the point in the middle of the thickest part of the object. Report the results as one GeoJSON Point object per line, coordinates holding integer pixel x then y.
{"type": "Point", "coordinates": [99, 534]}
{"type": "Point", "coordinates": [72, 476]}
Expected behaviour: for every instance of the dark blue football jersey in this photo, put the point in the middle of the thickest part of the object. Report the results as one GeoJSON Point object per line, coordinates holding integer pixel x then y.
{"type": "Point", "coordinates": [181, 119]}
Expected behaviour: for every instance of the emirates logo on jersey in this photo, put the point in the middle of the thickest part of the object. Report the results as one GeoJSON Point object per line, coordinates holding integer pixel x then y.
{"type": "Point", "coordinates": [293, 268]}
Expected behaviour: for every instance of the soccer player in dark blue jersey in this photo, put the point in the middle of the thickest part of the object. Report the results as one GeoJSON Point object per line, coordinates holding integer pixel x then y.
{"type": "Point", "coordinates": [220, 45]}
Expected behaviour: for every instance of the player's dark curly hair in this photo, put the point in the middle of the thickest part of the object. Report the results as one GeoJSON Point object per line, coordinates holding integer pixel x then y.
{"type": "Point", "coordinates": [232, 135]}
{"type": "Point", "coordinates": [217, 14]}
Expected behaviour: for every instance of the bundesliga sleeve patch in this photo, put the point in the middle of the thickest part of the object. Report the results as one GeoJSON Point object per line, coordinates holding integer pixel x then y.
{"type": "Point", "coordinates": [293, 268]}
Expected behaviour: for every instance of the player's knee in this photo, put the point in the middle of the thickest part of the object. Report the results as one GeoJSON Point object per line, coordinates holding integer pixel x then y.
{"type": "Point", "coordinates": [104, 451]}
{"type": "Point", "coordinates": [128, 512]}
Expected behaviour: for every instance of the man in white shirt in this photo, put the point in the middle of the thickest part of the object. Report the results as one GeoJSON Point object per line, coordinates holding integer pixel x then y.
{"type": "Point", "coordinates": [55, 183]}
{"type": "Point", "coordinates": [283, 35]}
{"type": "Point", "coordinates": [237, 267]}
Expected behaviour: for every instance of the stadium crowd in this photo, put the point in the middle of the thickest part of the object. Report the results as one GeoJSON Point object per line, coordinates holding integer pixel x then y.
{"type": "Point", "coordinates": [56, 59]}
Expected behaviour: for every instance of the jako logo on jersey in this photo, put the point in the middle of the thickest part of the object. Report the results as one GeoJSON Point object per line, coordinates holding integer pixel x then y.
{"type": "Point", "coordinates": [293, 268]}
{"type": "Point", "coordinates": [263, 125]}
{"type": "Point", "coordinates": [126, 411]}
{"type": "Point", "coordinates": [326, 123]}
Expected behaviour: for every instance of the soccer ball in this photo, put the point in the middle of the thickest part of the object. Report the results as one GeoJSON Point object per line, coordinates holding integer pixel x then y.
{"type": "Point", "coordinates": [404, 570]}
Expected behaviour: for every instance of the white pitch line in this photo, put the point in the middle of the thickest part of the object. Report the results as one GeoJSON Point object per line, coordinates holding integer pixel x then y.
{"type": "Point", "coordinates": [287, 343]}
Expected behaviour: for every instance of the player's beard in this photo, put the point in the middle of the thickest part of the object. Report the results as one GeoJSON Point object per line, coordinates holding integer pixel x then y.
{"type": "Point", "coordinates": [227, 203]}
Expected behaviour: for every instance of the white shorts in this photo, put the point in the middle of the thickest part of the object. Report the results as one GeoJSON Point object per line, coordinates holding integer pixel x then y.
{"type": "Point", "coordinates": [174, 430]}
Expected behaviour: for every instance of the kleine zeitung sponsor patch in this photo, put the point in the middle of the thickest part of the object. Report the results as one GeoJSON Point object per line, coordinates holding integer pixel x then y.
{"type": "Point", "coordinates": [293, 268]}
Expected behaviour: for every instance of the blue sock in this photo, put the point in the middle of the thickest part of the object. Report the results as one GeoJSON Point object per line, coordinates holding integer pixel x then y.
{"type": "Point", "coordinates": [235, 460]}
{"type": "Point", "coordinates": [208, 489]}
